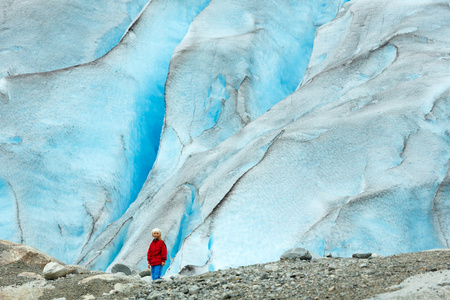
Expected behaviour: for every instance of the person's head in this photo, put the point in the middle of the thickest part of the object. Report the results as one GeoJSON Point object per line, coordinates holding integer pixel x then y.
{"type": "Point", "coordinates": [156, 233]}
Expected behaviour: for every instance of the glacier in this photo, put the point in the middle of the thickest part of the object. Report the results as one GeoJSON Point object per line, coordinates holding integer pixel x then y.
{"type": "Point", "coordinates": [316, 124]}
{"type": "Point", "coordinates": [76, 144]}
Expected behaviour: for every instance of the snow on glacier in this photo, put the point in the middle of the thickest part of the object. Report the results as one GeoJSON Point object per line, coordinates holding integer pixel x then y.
{"type": "Point", "coordinates": [231, 67]}
{"type": "Point", "coordinates": [38, 36]}
{"type": "Point", "coordinates": [356, 159]}
{"type": "Point", "coordinates": [76, 144]}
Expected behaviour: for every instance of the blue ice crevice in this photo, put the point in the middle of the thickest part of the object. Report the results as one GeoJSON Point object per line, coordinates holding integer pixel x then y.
{"type": "Point", "coordinates": [213, 104]}
{"type": "Point", "coordinates": [189, 221]}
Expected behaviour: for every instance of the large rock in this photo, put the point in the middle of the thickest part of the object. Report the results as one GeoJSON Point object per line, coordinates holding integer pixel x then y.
{"type": "Point", "coordinates": [362, 255]}
{"type": "Point", "coordinates": [12, 253]}
{"type": "Point", "coordinates": [123, 268]}
{"type": "Point", "coordinates": [297, 253]}
{"type": "Point", "coordinates": [54, 270]}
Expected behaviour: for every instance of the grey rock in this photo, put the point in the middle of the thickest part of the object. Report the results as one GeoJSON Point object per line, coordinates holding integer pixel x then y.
{"type": "Point", "coordinates": [188, 270]}
{"type": "Point", "coordinates": [54, 270]}
{"type": "Point", "coordinates": [145, 273]}
{"type": "Point", "coordinates": [271, 267]}
{"type": "Point", "coordinates": [332, 267]}
{"type": "Point", "coordinates": [362, 255]}
{"type": "Point", "coordinates": [120, 267]}
{"type": "Point", "coordinates": [297, 253]}
{"type": "Point", "coordinates": [194, 290]}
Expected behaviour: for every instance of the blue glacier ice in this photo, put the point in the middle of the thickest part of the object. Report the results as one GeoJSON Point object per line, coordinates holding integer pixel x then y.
{"type": "Point", "coordinates": [76, 144]}
{"type": "Point", "coordinates": [46, 35]}
{"type": "Point", "coordinates": [220, 79]}
{"type": "Point", "coordinates": [318, 124]}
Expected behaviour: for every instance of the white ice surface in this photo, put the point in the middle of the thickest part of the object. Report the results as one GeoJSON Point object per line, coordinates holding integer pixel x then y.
{"type": "Point", "coordinates": [46, 35]}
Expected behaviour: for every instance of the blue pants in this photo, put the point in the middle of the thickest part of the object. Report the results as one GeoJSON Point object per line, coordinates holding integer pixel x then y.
{"type": "Point", "coordinates": [156, 272]}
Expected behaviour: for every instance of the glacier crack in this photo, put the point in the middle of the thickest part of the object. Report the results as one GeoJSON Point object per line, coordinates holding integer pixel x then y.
{"type": "Point", "coordinates": [105, 245]}
{"type": "Point", "coordinates": [445, 183]}
{"type": "Point", "coordinates": [16, 200]}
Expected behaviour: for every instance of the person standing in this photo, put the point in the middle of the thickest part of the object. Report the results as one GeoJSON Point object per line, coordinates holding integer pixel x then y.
{"type": "Point", "coordinates": [157, 254]}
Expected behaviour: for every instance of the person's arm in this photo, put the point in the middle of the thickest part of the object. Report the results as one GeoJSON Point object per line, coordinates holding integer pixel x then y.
{"type": "Point", "coordinates": [148, 256]}
{"type": "Point", "coordinates": [163, 254]}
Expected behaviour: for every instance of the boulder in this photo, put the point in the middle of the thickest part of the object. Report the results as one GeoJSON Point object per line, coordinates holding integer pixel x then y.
{"type": "Point", "coordinates": [54, 270]}
{"type": "Point", "coordinates": [297, 253]}
{"type": "Point", "coordinates": [361, 255]}
{"type": "Point", "coordinates": [12, 253]}
{"type": "Point", "coordinates": [123, 268]}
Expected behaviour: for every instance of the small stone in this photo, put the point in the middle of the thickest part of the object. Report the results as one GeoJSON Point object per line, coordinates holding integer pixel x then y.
{"type": "Point", "coordinates": [271, 267]}
{"type": "Point", "coordinates": [145, 273]}
{"type": "Point", "coordinates": [331, 289]}
{"type": "Point", "coordinates": [332, 267]}
{"type": "Point", "coordinates": [194, 290]}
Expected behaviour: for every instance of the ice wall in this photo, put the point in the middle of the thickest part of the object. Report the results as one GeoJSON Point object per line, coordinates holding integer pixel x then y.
{"type": "Point", "coordinates": [237, 60]}
{"type": "Point", "coordinates": [356, 159]}
{"type": "Point", "coordinates": [76, 145]}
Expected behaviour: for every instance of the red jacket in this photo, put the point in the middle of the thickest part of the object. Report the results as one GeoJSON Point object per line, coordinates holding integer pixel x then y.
{"type": "Point", "coordinates": [157, 252]}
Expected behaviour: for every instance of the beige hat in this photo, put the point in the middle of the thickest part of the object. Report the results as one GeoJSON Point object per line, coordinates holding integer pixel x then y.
{"type": "Point", "coordinates": [157, 230]}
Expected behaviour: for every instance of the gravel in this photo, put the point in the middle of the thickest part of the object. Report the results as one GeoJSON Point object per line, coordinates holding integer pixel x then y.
{"type": "Point", "coordinates": [327, 278]}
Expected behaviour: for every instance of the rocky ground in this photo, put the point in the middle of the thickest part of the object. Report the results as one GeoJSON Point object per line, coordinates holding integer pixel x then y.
{"type": "Point", "coordinates": [425, 275]}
